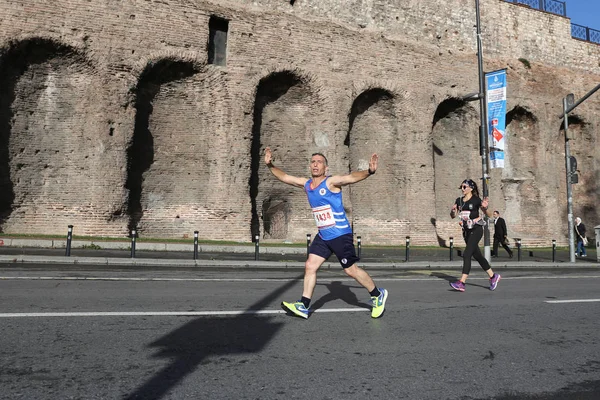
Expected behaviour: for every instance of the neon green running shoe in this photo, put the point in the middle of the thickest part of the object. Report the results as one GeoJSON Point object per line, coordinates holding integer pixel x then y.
{"type": "Point", "coordinates": [296, 308]}
{"type": "Point", "coordinates": [379, 303]}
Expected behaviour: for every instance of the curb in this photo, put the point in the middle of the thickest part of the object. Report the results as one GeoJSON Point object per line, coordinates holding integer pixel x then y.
{"type": "Point", "coordinates": [151, 246]}
{"type": "Point", "coordinates": [153, 262]}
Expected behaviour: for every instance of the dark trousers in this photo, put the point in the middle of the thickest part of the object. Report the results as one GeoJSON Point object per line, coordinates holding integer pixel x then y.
{"type": "Point", "coordinates": [472, 238]}
{"type": "Point", "coordinates": [497, 242]}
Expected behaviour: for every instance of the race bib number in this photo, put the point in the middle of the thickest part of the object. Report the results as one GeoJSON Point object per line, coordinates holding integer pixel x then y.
{"type": "Point", "coordinates": [323, 216]}
{"type": "Point", "coordinates": [465, 215]}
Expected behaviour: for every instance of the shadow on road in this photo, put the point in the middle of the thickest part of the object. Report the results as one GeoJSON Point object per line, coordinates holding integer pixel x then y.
{"type": "Point", "coordinates": [337, 290]}
{"type": "Point", "coordinates": [194, 343]}
{"type": "Point", "coordinates": [451, 278]}
{"type": "Point", "coordinates": [444, 276]}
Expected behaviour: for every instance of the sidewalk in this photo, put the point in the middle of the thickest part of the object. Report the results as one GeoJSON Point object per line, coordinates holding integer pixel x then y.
{"type": "Point", "coordinates": [51, 251]}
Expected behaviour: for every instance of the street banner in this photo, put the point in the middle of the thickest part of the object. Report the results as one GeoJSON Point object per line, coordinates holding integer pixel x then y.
{"type": "Point", "coordinates": [496, 115]}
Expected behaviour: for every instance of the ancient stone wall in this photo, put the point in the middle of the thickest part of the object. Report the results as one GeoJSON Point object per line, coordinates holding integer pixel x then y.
{"type": "Point", "coordinates": [112, 117]}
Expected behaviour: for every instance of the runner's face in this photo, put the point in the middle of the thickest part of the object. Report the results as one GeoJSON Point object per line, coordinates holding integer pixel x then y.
{"type": "Point", "coordinates": [317, 166]}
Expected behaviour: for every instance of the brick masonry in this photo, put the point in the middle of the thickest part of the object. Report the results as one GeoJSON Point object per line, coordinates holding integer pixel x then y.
{"type": "Point", "coordinates": [110, 116]}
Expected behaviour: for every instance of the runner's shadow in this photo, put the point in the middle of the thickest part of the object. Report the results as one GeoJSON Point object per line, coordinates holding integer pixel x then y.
{"type": "Point", "coordinates": [209, 341]}
{"type": "Point", "coordinates": [337, 290]}
{"type": "Point", "coordinates": [444, 276]}
{"type": "Point", "coordinates": [451, 278]}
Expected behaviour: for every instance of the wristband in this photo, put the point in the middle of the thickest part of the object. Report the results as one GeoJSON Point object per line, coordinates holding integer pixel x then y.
{"type": "Point", "coordinates": [270, 164]}
{"type": "Point", "coordinates": [371, 172]}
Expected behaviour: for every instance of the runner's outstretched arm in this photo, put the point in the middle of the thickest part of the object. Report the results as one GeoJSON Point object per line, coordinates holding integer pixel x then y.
{"type": "Point", "coordinates": [280, 174]}
{"type": "Point", "coordinates": [356, 176]}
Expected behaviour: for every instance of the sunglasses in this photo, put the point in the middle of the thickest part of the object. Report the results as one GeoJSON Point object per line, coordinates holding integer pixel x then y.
{"type": "Point", "coordinates": [464, 187]}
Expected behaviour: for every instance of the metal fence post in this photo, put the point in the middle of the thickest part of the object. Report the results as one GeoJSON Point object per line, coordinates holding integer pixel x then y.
{"type": "Point", "coordinates": [587, 34]}
{"type": "Point", "coordinates": [133, 235]}
{"type": "Point", "coordinates": [518, 249]}
{"type": "Point", "coordinates": [407, 256]}
{"type": "Point", "coordinates": [195, 245]}
{"type": "Point", "coordinates": [256, 247]}
{"type": "Point", "coordinates": [307, 245]}
{"type": "Point", "coordinates": [553, 250]}
{"type": "Point", "coordinates": [69, 239]}
{"type": "Point", "coordinates": [358, 245]}
{"type": "Point", "coordinates": [451, 248]}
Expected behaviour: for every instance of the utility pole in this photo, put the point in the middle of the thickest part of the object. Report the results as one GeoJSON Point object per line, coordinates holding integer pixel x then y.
{"type": "Point", "coordinates": [483, 133]}
{"type": "Point", "coordinates": [566, 102]}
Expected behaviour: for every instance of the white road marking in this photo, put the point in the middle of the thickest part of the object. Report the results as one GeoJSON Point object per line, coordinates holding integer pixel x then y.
{"type": "Point", "coordinates": [573, 301]}
{"type": "Point", "coordinates": [323, 279]}
{"type": "Point", "coordinates": [165, 313]}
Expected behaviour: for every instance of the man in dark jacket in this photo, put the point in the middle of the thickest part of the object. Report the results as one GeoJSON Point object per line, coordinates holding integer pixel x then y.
{"type": "Point", "coordinates": [500, 235]}
{"type": "Point", "coordinates": [580, 238]}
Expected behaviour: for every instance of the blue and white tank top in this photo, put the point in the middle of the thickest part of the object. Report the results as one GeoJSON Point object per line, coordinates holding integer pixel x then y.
{"type": "Point", "coordinates": [328, 211]}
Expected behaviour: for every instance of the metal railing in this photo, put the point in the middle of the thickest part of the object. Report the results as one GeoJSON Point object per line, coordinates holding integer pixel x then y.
{"type": "Point", "coordinates": [585, 33]}
{"type": "Point", "coordinates": [560, 8]}
{"type": "Point", "coordinates": [551, 6]}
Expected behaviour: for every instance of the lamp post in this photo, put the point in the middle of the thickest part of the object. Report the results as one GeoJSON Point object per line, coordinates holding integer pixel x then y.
{"type": "Point", "coordinates": [483, 133]}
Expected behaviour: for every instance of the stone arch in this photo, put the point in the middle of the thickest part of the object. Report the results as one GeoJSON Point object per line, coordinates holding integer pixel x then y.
{"type": "Point", "coordinates": [141, 67]}
{"type": "Point", "coordinates": [524, 182]}
{"type": "Point", "coordinates": [455, 153]}
{"type": "Point", "coordinates": [373, 127]}
{"type": "Point", "coordinates": [159, 150]}
{"type": "Point", "coordinates": [584, 147]}
{"type": "Point", "coordinates": [286, 108]}
{"type": "Point", "coordinates": [47, 152]}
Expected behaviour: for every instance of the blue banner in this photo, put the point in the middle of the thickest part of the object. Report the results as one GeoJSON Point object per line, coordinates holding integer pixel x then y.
{"type": "Point", "coordinates": [496, 115]}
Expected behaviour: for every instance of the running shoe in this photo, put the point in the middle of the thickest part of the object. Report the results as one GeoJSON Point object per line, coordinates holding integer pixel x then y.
{"type": "Point", "coordinates": [296, 308]}
{"type": "Point", "coordinates": [458, 285]}
{"type": "Point", "coordinates": [379, 303]}
{"type": "Point", "coordinates": [494, 281]}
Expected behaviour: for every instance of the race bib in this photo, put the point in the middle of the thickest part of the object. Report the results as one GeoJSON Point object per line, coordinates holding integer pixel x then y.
{"type": "Point", "coordinates": [323, 216]}
{"type": "Point", "coordinates": [465, 215]}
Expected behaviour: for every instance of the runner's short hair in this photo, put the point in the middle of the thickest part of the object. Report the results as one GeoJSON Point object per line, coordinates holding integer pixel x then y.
{"type": "Point", "coordinates": [322, 155]}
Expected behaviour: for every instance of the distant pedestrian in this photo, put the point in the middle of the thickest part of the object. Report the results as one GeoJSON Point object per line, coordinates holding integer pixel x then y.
{"type": "Point", "coordinates": [467, 209]}
{"type": "Point", "coordinates": [581, 239]}
{"type": "Point", "coordinates": [500, 235]}
{"type": "Point", "coordinates": [324, 194]}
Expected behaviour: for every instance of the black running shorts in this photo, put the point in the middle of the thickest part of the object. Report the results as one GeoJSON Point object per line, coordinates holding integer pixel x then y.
{"type": "Point", "coordinates": [341, 246]}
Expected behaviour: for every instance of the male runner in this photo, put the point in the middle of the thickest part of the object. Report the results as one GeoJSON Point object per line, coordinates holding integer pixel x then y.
{"type": "Point", "coordinates": [335, 234]}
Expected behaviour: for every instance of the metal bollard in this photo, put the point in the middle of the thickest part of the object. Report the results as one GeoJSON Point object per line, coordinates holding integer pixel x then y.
{"type": "Point", "coordinates": [451, 248]}
{"type": "Point", "coordinates": [307, 245]}
{"type": "Point", "coordinates": [195, 245]}
{"type": "Point", "coordinates": [358, 245]}
{"type": "Point", "coordinates": [553, 250]}
{"type": "Point", "coordinates": [407, 257]}
{"type": "Point", "coordinates": [518, 249]}
{"type": "Point", "coordinates": [133, 235]}
{"type": "Point", "coordinates": [256, 247]}
{"type": "Point", "coordinates": [69, 239]}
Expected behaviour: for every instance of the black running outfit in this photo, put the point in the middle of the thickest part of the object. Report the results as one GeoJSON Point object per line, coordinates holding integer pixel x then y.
{"type": "Point", "coordinates": [472, 236]}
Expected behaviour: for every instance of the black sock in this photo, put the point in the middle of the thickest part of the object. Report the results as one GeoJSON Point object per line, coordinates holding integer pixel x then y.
{"type": "Point", "coordinates": [375, 292]}
{"type": "Point", "coordinates": [305, 301]}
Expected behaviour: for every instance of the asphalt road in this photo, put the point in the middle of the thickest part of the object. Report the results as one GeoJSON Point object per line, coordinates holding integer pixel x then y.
{"type": "Point", "coordinates": [168, 333]}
